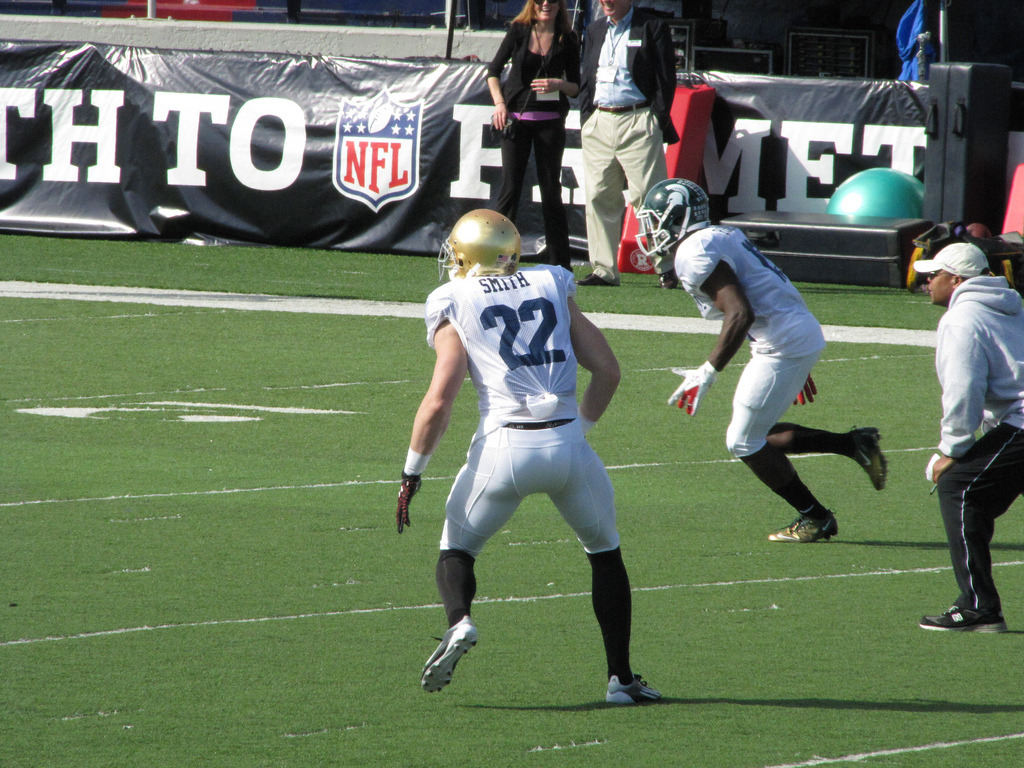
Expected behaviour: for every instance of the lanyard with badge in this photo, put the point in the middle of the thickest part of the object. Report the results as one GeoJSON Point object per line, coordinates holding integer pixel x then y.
{"type": "Point", "coordinates": [606, 72]}
{"type": "Point", "coordinates": [550, 95]}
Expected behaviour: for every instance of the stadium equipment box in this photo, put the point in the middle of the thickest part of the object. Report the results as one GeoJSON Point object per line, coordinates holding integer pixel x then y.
{"type": "Point", "coordinates": [832, 248]}
{"type": "Point", "coordinates": [830, 53]}
{"type": "Point", "coordinates": [967, 125]}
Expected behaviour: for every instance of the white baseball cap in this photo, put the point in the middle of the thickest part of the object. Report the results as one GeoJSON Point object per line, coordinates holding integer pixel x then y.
{"type": "Point", "coordinates": [960, 259]}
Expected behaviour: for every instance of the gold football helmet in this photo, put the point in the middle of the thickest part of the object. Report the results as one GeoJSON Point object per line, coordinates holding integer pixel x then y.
{"type": "Point", "coordinates": [482, 242]}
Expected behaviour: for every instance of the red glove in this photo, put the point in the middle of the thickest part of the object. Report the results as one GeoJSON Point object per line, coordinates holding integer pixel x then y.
{"type": "Point", "coordinates": [806, 395]}
{"type": "Point", "coordinates": [410, 484]}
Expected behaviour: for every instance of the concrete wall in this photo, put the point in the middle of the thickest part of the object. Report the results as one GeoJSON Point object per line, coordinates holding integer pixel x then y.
{"type": "Point", "coordinates": [301, 39]}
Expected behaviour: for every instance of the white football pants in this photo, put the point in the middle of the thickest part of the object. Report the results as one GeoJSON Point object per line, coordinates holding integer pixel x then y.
{"type": "Point", "coordinates": [766, 389]}
{"type": "Point", "coordinates": [507, 465]}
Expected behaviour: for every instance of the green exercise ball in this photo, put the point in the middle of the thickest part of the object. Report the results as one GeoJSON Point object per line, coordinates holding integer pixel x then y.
{"type": "Point", "coordinates": [879, 192]}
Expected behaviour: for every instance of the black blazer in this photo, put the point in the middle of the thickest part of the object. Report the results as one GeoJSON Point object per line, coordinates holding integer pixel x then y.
{"type": "Point", "coordinates": [562, 61]}
{"type": "Point", "coordinates": [652, 65]}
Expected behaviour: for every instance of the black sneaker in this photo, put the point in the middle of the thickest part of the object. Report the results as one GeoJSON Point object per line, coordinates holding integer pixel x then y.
{"type": "Point", "coordinates": [668, 279]}
{"type": "Point", "coordinates": [867, 453]}
{"type": "Point", "coordinates": [964, 620]}
{"type": "Point", "coordinates": [594, 279]}
{"type": "Point", "coordinates": [805, 530]}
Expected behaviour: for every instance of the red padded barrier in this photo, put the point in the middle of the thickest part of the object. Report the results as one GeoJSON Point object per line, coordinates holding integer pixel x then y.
{"type": "Point", "coordinates": [1014, 219]}
{"type": "Point", "coordinates": [691, 115]}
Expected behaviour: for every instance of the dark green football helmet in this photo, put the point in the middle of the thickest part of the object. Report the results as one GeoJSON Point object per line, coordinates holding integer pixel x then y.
{"type": "Point", "coordinates": [672, 209]}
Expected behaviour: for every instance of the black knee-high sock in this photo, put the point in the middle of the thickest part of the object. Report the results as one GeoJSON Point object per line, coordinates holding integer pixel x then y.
{"type": "Point", "coordinates": [798, 496]}
{"type": "Point", "coordinates": [456, 582]}
{"type": "Point", "coordinates": [808, 440]}
{"type": "Point", "coordinates": [613, 606]}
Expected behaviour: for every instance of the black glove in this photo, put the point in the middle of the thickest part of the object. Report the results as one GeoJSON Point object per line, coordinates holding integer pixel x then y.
{"type": "Point", "coordinates": [410, 484]}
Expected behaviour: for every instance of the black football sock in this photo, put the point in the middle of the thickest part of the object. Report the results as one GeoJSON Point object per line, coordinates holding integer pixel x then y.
{"type": "Point", "coordinates": [798, 496]}
{"type": "Point", "coordinates": [456, 583]}
{"type": "Point", "coordinates": [807, 440]}
{"type": "Point", "coordinates": [613, 606]}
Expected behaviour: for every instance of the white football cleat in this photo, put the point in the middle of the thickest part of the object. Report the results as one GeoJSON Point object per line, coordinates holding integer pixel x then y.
{"type": "Point", "coordinates": [457, 641]}
{"type": "Point", "coordinates": [636, 692]}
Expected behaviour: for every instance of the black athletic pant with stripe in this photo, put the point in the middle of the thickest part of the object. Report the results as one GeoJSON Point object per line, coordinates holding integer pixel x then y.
{"type": "Point", "coordinates": [976, 489]}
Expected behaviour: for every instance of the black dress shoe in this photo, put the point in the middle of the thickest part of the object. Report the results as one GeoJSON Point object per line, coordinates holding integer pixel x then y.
{"type": "Point", "coordinates": [669, 279]}
{"type": "Point", "coordinates": [594, 279]}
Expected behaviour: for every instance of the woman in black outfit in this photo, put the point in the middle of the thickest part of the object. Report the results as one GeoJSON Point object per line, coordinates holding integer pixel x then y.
{"type": "Point", "coordinates": [545, 73]}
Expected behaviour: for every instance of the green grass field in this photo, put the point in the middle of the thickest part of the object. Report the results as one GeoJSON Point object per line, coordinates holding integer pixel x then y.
{"type": "Point", "coordinates": [199, 567]}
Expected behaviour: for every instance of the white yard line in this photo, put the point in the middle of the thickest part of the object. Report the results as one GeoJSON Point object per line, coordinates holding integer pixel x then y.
{"type": "Point", "coordinates": [15, 289]}
{"type": "Point", "coordinates": [347, 483]}
{"type": "Point", "coordinates": [214, 492]}
{"type": "Point", "coordinates": [492, 600]}
{"type": "Point", "coordinates": [899, 751]}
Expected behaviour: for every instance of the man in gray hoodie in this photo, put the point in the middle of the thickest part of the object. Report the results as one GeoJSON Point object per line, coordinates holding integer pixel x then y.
{"type": "Point", "coordinates": [980, 362]}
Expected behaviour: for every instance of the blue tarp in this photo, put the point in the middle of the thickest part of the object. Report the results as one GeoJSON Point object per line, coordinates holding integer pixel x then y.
{"type": "Point", "coordinates": [911, 25]}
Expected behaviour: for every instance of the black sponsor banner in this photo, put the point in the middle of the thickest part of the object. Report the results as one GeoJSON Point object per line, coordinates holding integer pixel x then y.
{"type": "Point", "coordinates": [321, 152]}
{"type": "Point", "coordinates": [786, 143]}
{"type": "Point", "coordinates": [365, 154]}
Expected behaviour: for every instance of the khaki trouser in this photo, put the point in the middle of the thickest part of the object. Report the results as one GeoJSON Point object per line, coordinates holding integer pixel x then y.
{"type": "Point", "coordinates": [618, 149]}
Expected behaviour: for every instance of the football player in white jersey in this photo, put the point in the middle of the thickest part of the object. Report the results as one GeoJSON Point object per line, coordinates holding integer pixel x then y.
{"type": "Point", "coordinates": [732, 281]}
{"type": "Point", "coordinates": [519, 335]}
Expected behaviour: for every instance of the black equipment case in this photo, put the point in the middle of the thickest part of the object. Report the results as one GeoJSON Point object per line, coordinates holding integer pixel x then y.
{"type": "Point", "coordinates": [967, 120]}
{"type": "Point", "coordinates": [832, 248]}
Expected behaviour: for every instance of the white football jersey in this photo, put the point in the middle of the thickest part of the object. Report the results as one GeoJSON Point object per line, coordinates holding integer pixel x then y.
{"type": "Point", "coordinates": [516, 333]}
{"type": "Point", "coordinates": [782, 323]}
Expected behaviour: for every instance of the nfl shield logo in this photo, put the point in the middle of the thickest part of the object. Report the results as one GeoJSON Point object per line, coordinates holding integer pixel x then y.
{"type": "Point", "coordinates": [377, 151]}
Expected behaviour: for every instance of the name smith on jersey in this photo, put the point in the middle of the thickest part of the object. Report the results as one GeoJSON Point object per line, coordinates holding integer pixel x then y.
{"type": "Point", "coordinates": [499, 284]}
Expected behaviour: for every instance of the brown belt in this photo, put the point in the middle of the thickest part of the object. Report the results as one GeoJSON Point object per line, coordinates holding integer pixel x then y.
{"type": "Point", "coordinates": [620, 110]}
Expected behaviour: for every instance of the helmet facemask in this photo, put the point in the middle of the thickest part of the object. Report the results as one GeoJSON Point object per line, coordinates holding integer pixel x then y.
{"type": "Point", "coordinates": [446, 261]}
{"type": "Point", "coordinates": [654, 233]}
{"type": "Point", "coordinates": [672, 209]}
